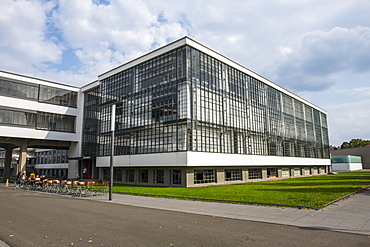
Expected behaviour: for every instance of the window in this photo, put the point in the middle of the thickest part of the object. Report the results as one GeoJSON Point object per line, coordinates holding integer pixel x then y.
{"type": "Point", "coordinates": [285, 172]}
{"type": "Point", "coordinates": [306, 171]}
{"type": "Point", "coordinates": [255, 173]}
{"type": "Point", "coordinates": [272, 173]}
{"type": "Point", "coordinates": [233, 174]}
{"type": "Point", "coordinates": [7, 120]}
{"type": "Point", "coordinates": [322, 170]}
{"type": "Point", "coordinates": [175, 176]}
{"type": "Point", "coordinates": [52, 126]}
{"type": "Point", "coordinates": [118, 175]}
{"type": "Point", "coordinates": [18, 90]}
{"type": "Point", "coordinates": [57, 96]}
{"type": "Point", "coordinates": [42, 93]}
{"type": "Point", "coordinates": [130, 176]}
{"type": "Point", "coordinates": [204, 176]}
{"type": "Point", "coordinates": [158, 176]}
{"type": "Point", "coordinates": [55, 122]}
{"type": "Point", "coordinates": [14, 117]}
{"type": "Point", "coordinates": [297, 171]}
{"type": "Point", "coordinates": [143, 176]}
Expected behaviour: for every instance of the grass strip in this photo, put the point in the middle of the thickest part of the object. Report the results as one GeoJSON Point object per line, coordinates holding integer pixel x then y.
{"type": "Point", "coordinates": [306, 192]}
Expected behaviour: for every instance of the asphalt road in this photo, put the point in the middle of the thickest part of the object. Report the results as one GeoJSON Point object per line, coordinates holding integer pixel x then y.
{"type": "Point", "coordinates": [40, 219]}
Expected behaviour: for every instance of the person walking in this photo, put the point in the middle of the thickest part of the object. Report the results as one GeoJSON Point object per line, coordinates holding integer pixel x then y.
{"type": "Point", "coordinates": [19, 176]}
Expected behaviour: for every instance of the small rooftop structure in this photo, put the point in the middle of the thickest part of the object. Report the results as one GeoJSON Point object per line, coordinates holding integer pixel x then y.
{"type": "Point", "coordinates": [346, 163]}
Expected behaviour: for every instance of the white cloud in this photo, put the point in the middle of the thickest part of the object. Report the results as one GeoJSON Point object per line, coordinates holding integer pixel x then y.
{"type": "Point", "coordinates": [306, 46]}
{"type": "Point", "coordinates": [285, 50]}
{"type": "Point", "coordinates": [23, 42]}
{"type": "Point", "coordinates": [322, 56]}
{"type": "Point", "coordinates": [105, 36]}
{"type": "Point", "coordinates": [360, 91]}
{"type": "Point", "coordinates": [348, 121]}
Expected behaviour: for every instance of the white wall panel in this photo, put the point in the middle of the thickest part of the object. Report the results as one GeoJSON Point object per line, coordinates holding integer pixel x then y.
{"type": "Point", "coordinates": [28, 133]}
{"type": "Point", "coordinates": [207, 159]}
{"type": "Point", "coordinates": [151, 160]}
{"type": "Point", "coordinates": [346, 167]}
{"type": "Point", "coordinates": [36, 106]}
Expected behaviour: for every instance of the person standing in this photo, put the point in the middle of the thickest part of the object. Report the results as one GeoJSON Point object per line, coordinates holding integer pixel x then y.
{"type": "Point", "coordinates": [19, 176]}
{"type": "Point", "coordinates": [84, 173]}
{"type": "Point", "coordinates": [24, 177]}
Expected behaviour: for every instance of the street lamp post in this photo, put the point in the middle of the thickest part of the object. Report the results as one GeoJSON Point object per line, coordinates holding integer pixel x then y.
{"type": "Point", "coordinates": [113, 125]}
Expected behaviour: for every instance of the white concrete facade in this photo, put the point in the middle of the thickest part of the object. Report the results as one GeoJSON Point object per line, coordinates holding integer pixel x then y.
{"type": "Point", "coordinates": [191, 162]}
{"type": "Point", "coordinates": [30, 106]}
{"type": "Point", "coordinates": [26, 132]}
{"type": "Point", "coordinates": [202, 159]}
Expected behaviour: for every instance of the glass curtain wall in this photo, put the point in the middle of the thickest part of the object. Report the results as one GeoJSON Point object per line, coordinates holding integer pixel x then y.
{"type": "Point", "coordinates": [91, 122]}
{"type": "Point", "coordinates": [186, 100]}
{"type": "Point", "coordinates": [151, 111]}
{"type": "Point", "coordinates": [232, 112]}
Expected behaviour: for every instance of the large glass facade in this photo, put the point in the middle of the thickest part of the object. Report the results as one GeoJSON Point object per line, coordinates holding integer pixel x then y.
{"type": "Point", "coordinates": [186, 100]}
{"type": "Point", "coordinates": [40, 93]}
{"type": "Point", "coordinates": [151, 113]}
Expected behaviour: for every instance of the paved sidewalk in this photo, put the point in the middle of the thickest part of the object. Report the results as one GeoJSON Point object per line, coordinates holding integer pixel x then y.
{"type": "Point", "coordinates": [348, 215]}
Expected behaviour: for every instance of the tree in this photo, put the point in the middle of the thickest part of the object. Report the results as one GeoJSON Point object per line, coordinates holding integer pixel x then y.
{"type": "Point", "coordinates": [355, 143]}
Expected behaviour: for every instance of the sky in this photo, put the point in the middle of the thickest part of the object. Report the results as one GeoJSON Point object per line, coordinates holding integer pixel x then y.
{"type": "Point", "coordinates": [319, 50]}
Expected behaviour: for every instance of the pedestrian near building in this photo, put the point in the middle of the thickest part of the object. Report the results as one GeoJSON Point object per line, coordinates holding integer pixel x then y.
{"type": "Point", "coordinates": [84, 173]}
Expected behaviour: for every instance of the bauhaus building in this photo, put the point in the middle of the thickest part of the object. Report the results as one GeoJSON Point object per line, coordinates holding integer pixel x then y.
{"type": "Point", "coordinates": [184, 116]}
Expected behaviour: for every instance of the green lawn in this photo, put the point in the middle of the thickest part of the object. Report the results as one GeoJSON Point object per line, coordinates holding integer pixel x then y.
{"type": "Point", "coordinates": [311, 192]}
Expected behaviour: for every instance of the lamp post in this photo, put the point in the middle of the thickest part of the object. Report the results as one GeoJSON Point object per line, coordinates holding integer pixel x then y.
{"type": "Point", "coordinates": [112, 128]}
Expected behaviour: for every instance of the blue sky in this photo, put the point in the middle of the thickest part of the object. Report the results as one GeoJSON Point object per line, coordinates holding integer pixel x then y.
{"type": "Point", "coordinates": [319, 50]}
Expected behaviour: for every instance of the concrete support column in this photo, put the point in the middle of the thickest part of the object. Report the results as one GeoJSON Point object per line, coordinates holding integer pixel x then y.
{"type": "Point", "coordinates": [73, 171]}
{"type": "Point", "coordinates": [22, 157]}
{"type": "Point", "coordinates": [7, 162]}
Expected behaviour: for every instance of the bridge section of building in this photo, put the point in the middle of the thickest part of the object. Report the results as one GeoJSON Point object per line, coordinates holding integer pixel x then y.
{"type": "Point", "coordinates": [36, 113]}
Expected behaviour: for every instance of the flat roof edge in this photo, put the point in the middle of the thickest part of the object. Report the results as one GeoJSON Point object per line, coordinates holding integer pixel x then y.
{"type": "Point", "coordinates": [90, 86]}
{"type": "Point", "coordinates": [240, 67]}
{"type": "Point", "coordinates": [31, 79]}
{"type": "Point", "coordinates": [145, 57]}
{"type": "Point", "coordinates": [195, 44]}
